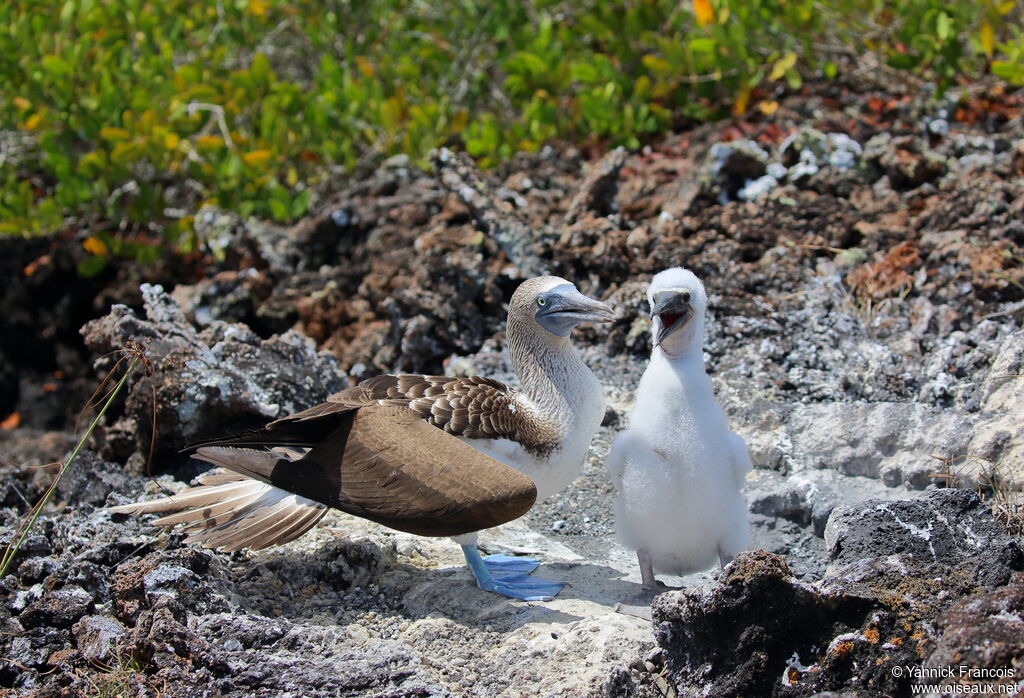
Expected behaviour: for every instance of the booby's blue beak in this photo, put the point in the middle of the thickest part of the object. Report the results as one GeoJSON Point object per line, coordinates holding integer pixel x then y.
{"type": "Point", "coordinates": [563, 307]}
{"type": "Point", "coordinates": [673, 308]}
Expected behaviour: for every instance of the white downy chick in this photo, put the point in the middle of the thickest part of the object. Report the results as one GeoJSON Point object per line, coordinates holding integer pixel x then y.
{"type": "Point", "coordinates": [678, 468]}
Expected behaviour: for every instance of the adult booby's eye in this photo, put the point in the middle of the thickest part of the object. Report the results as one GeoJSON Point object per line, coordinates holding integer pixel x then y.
{"type": "Point", "coordinates": [542, 301]}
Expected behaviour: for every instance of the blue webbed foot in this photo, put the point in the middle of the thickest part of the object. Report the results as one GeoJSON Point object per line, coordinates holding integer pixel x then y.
{"type": "Point", "coordinates": [500, 566]}
{"type": "Point", "coordinates": [524, 587]}
{"type": "Point", "coordinates": [509, 576]}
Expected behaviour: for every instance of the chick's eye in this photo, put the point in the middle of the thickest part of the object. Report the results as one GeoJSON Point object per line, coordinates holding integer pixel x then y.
{"type": "Point", "coordinates": [686, 296]}
{"type": "Point", "coordinates": [542, 301]}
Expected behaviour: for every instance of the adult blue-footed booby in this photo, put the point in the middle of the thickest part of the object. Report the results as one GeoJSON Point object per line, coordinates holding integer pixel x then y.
{"type": "Point", "coordinates": [430, 455]}
{"type": "Point", "coordinates": [678, 468]}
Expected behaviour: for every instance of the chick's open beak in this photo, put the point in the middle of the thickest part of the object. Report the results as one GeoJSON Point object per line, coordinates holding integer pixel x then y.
{"type": "Point", "coordinates": [674, 311]}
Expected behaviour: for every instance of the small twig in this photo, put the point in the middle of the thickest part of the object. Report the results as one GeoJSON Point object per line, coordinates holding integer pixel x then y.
{"type": "Point", "coordinates": [717, 76]}
{"type": "Point", "coordinates": [25, 668]}
{"type": "Point", "coordinates": [272, 35]}
{"type": "Point", "coordinates": [129, 555]}
{"type": "Point", "coordinates": [218, 113]}
{"type": "Point", "coordinates": [809, 246]}
{"type": "Point", "coordinates": [41, 465]}
{"type": "Point", "coordinates": [989, 479]}
{"type": "Point", "coordinates": [1009, 311]}
{"type": "Point", "coordinates": [216, 27]}
{"type": "Point", "coordinates": [788, 296]}
{"type": "Point", "coordinates": [20, 495]}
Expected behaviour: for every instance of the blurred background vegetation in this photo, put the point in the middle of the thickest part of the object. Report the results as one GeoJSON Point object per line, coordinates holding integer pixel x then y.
{"type": "Point", "coordinates": [119, 119]}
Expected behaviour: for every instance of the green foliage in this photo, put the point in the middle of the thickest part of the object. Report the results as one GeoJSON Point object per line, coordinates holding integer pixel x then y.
{"type": "Point", "coordinates": [135, 113]}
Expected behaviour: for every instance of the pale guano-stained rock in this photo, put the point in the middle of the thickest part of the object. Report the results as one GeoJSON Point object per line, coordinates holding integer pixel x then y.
{"type": "Point", "coordinates": [951, 527]}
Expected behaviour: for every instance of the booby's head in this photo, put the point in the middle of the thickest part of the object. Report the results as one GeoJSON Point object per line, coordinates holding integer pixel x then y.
{"type": "Point", "coordinates": [678, 302]}
{"type": "Point", "coordinates": [554, 306]}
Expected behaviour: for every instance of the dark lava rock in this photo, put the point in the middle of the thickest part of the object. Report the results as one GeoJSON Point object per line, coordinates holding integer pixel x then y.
{"type": "Point", "coordinates": [907, 596]}
{"type": "Point", "coordinates": [733, 164]}
{"type": "Point", "coordinates": [892, 596]}
{"type": "Point", "coordinates": [35, 543]}
{"type": "Point", "coordinates": [259, 656]}
{"type": "Point", "coordinates": [984, 633]}
{"type": "Point", "coordinates": [161, 638]}
{"type": "Point", "coordinates": [33, 649]}
{"type": "Point", "coordinates": [230, 296]}
{"type": "Point", "coordinates": [95, 637]}
{"type": "Point", "coordinates": [202, 383]}
{"type": "Point", "coordinates": [60, 608]}
{"type": "Point", "coordinates": [36, 569]}
{"type": "Point", "coordinates": [238, 632]}
{"type": "Point", "coordinates": [951, 527]}
{"type": "Point", "coordinates": [9, 629]}
{"type": "Point", "coordinates": [90, 540]}
{"type": "Point", "coordinates": [90, 479]}
{"type": "Point", "coordinates": [8, 386]}
{"type": "Point", "coordinates": [29, 464]}
{"type": "Point", "coordinates": [742, 635]}
{"type": "Point", "coordinates": [190, 578]}
{"type": "Point", "coordinates": [341, 564]}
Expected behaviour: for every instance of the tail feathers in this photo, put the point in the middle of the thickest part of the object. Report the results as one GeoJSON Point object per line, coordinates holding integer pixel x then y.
{"type": "Point", "coordinates": [278, 522]}
{"type": "Point", "coordinates": [231, 511]}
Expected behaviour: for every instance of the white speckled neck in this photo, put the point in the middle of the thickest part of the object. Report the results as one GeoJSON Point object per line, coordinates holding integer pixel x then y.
{"type": "Point", "coordinates": [550, 372]}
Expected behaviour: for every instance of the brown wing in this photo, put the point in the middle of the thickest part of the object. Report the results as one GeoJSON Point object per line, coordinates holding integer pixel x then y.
{"type": "Point", "coordinates": [474, 408]}
{"type": "Point", "coordinates": [386, 464]}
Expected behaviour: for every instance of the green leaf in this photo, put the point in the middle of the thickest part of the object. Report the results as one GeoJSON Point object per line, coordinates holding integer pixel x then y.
{"type": "Point", "coordinates": [903, 61]}
{"type": "Point", "coordinates": [943, 26]}
{"type": "Point", "coordinates": [793, 79]}
{"type": "Point", "coordinates": [147, 254]}
{"type": "Point", "coordinates": [230, 167]}
{"type": "Point", "coordinates": [91, 266]}
{"type": "Point", "coordinates": [656, 64]}
{"type": "Point", "coordinates": [526, 63]}
{"type": "Point", "coordinates": [127, 153]}
{"type": "Point", "coordinates": [1012, 72]}
{"type": "Point", "coordinates": [67, 13]}
{"type": "Point", "coordinates": [300, 204]}
{"type": "Point", "coordinates": [278, 210]}
{"type": "Point", "coordinates": [56, 66]}
{"type": "Point", "coordinates": [260, 69]}
{"type": "Point", "coordinates": [702, 45]}
{"type": "Point", "coordinates": [782, 66]}
{"type": "Point", "coordinates": [584, 72]}
{"type": "Point", "coordinates": [114, 134]}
